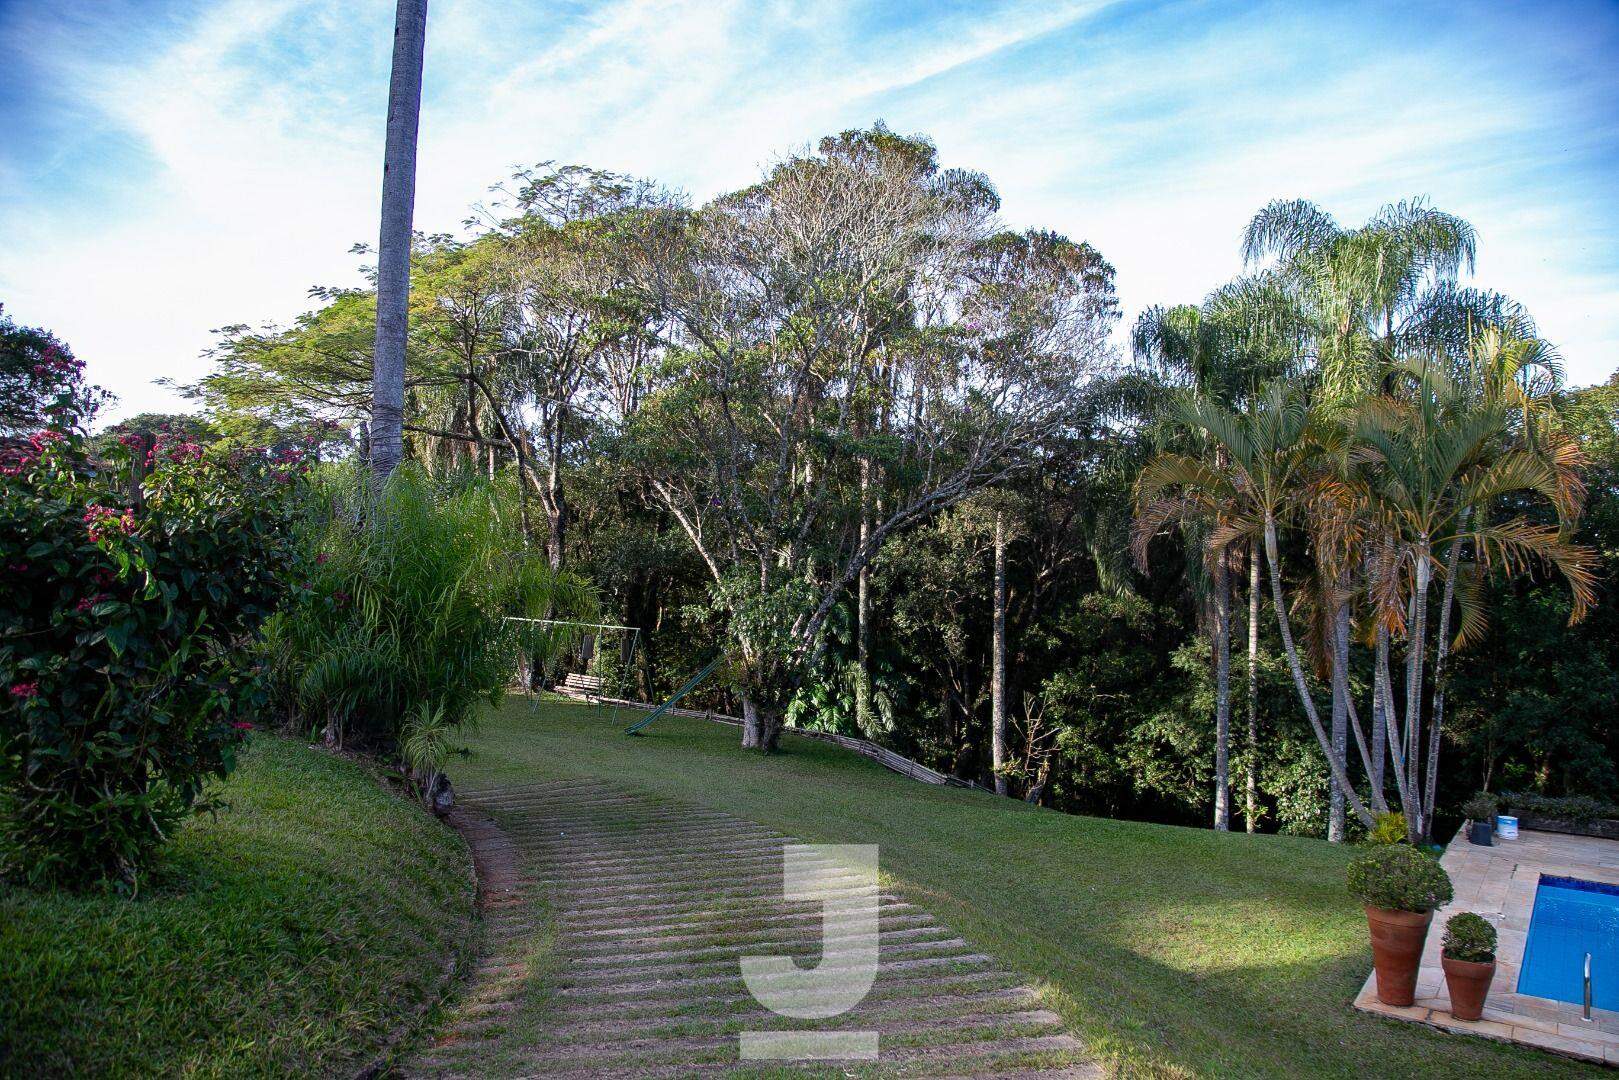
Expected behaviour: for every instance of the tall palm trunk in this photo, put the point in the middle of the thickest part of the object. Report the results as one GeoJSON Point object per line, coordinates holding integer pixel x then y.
{"type": "Point", "coordinates": [1335, 762]}
{"type": "Point", "coordinates": [1337, 820]}
{"type": "Point", "coordinates": [997, 684]}
{"type": "Point", "coordinates": [1252, 804]}
{"type": "Point", "coordinates": [862, 631]}
{"type": "Point", "coordinates": [1441, 653]}
{"type": "Point", "coordinates": [1416, 646]}
{"type": "Point", "coordinates": [1380, 717]}
{"type": "Point", "coordinates": [1222, 693]}
{"type": "Point", "coordinates": [393, 248]}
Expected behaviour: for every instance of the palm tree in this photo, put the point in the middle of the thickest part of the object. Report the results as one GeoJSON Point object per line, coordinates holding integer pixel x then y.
{"type": "Point", "coordinates": [1265, 455]}
{"type": "Point", "coordinates": [1371, 292]}
{"type": "Point", "coordinates": [393, 249]}
{"type": "Point", "coordinates": [1183, 347]}
{"type": "Point", "coordinates": [1244, 334]}
{"type": "Point", "coordinates": [1439, 456]}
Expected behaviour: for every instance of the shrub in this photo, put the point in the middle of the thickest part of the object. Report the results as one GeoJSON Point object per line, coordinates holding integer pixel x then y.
{"type": "Point", "coordinates": [1400, 878]}
{"type": "Point", "coordinates": [1480, 808]}
{"type": "Point", "coordinates": [1388, 829]}
{"type": "Point", "coordinates": [125, 623]}
{"type": "Point", "coordinates": [1573, 808]}
{"type": "Point", "coordinates": [397, 605]}
{"type": "Point", "coordinates": [1469, 937]}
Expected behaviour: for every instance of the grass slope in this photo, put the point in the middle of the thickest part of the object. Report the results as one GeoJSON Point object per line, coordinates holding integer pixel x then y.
{"type": "Point", "coordinates": [1170, 950]}
{"type": "Point", "coordinates": [291, 934]}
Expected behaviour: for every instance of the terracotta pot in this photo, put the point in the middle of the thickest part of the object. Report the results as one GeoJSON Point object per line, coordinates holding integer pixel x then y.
{"type": "Point", "coordinates": [1397, 938]}
{"type": "Point", "coordinates": [1469, 985]}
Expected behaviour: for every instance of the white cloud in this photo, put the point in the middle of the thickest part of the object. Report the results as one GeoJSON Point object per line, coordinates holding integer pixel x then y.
{"type": "Point", "coordinates": [262, 127]}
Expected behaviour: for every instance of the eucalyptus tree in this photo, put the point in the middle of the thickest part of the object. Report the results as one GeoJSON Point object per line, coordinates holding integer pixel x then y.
{"type": "Point", "coordinates": [572, 323]}
{"type": "Point", "coordinates": [858, 280]}
{"type": "Point", "coordinates": [393, 249]}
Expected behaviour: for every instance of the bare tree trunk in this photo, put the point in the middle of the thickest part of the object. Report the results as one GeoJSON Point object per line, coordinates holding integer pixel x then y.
{"type": "Point", "coordinates": [1380, 719]}
{"type": "Point", "coordinates": [1289, 647]}
{"type": "Point", "coordinates": [997, 685]}
{"type": "Point", "coordinates": [556, 499]}
{"type": "Point", "coordinates": [750, 724]}
{"type": "Point", "coordinates": [1337, 819]}
{"type": "Point", "coordinates": [393, 248]}
{"type": "Point", "coordinates": [1416, 646]}
{"type": "Point", "coordinates": [1395, 735]}
{"type": "Point", "coordinates": [862, 692]}
{"type": "Point", "coordinates": [1441, 652]}
{"type": "Point", "coordinates": [1252, 781]}
{"type": "Point", "coordinates": [1222, 693]}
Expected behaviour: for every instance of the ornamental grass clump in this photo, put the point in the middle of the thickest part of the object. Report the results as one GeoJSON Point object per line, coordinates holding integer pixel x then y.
{"type": "Point", "coordinates": [397, 608]}
{"type": "Point", "coordinates": [1399, 878]}
{"type": "Point", "coordinates": [1388, 828]}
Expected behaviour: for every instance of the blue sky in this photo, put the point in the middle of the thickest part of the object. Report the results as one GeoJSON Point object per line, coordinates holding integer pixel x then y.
{"type": "Point", "coordinates": [170, 166]}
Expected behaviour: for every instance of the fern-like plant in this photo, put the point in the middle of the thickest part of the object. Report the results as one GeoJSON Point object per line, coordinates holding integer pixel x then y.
{"type": "Point", "coordinates": [400, 613]}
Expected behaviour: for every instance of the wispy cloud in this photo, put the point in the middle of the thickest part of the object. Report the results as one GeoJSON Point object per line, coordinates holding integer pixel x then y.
{"type": "Point", "coordinates": [178, 167]}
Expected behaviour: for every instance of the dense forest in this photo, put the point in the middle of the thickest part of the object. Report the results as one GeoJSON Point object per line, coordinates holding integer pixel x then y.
{"type": "Point", "coordinates": [1333, 540]}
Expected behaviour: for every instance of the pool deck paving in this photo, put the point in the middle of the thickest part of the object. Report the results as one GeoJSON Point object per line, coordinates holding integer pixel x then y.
{"type": "Point", "coordinates": [1499, 882]}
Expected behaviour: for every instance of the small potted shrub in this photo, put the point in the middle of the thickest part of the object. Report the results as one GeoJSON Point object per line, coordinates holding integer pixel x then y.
{"type": "Point", "coordinates": [1468, 957]}
{"type": "Point", "coordinates": [1400, 886]}
{"type": "Point", "coordinates": [1480, 811]}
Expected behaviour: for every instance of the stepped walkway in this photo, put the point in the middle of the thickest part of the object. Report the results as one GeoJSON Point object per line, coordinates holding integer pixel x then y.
{"type": "Point", "coordinates": [615, 927]}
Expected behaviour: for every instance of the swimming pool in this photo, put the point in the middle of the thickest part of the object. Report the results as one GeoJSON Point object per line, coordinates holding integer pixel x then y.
{"type": "Point", "coordinates": [1572, 918]}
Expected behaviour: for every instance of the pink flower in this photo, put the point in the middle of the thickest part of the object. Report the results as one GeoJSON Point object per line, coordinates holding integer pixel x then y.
{"type": "Point", "coordinates": [131, 440]}
{"type": "Point", "coordinates": [24, 690]}
{"type": "Point", "coordinates": [102, 521]}
{"type": "Point", "coordinates": [322, 559]}
{"type": "Point", "coordinates": [241, 725]}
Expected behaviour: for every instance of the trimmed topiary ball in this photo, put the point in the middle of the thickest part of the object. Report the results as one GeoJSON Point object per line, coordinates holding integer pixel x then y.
{"type": "Point", "coordinates": [1399, 878]}
{"type": "Point", "coordinates": [1469, 937]}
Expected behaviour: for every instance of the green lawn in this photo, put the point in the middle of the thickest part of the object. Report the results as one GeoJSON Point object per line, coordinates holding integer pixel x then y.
{"type": "Point", "coordinates": [293, 934]}
{"type": "Point", "coordinates": [1170, 950]}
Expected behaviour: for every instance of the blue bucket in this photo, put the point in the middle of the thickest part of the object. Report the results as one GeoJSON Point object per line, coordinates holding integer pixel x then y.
{"type": "Point", "coordinates": [1506, 827]}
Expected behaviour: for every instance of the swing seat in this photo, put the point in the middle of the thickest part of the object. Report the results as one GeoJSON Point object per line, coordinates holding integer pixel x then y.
{"type": "Point", "coordinates": [577, 685]}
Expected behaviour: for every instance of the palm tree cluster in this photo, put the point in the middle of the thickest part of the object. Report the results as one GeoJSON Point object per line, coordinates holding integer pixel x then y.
{"type": "Point", "coordinates": [1374, 440]}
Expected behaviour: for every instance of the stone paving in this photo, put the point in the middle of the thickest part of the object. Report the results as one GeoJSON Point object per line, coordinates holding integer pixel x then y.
{"type": "Point", "coordinates": [615, 928]}
{"type": "Point", "coordinates": [1499, 882]}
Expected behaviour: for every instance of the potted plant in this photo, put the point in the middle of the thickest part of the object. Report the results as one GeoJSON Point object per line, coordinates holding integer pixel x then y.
{"type": "Point", "coordinates": [1468, 957]}
{"type": "Point", "coordinates": [1480, 811]}
{"type": "Point", "coordinates": [1400, 886]}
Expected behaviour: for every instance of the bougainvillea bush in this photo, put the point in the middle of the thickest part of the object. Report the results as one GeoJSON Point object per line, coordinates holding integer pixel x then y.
{"type": "Point", "coordinates": [128, 615]}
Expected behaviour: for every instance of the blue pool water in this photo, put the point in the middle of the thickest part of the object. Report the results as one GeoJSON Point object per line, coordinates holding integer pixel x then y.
{"type": "Point", "coordinates": [1572, 918]}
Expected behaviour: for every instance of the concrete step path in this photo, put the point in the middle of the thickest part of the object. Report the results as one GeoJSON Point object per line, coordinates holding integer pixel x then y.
{"type": "Point", "coordinates": [616, 924]}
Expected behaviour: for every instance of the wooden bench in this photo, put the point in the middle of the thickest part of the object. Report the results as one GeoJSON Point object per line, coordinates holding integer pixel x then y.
{"type": "Point", "coordinates": [577, 685]}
